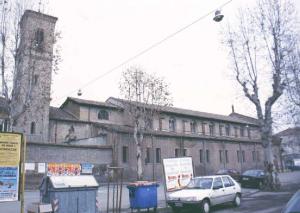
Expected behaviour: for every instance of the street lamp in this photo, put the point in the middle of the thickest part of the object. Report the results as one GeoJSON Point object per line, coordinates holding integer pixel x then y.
{"type": "Point", "coordinates": [218, 16]}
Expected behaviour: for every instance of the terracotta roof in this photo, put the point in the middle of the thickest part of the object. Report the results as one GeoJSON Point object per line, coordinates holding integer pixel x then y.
{"type": "Point", "coordinates": [59, 114]}
{"type": "Point", "coordinates": [244, 117]}
{"type": "Point", "coordinates": [192, 113]}
{"type": "Point", "coordinates": [288, 132]}
{"type": "Point", "coordinates": [89, 103]}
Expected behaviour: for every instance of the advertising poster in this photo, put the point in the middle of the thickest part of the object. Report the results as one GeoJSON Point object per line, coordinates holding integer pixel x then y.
{"type": "Point", "coordinates": [178, 172]}
{"type": "Point", "coordinates": [10, 149]}
{"type": "Point", "coordinates": [87, 168]}
{"type": "Point", "coordinates": [10, 155]}
{"type": "Point", "coordinates": [9, 183]}
{"type": "Point", "coordinates": [41, 167]}
{"type": "Point", "coordinates": [60, 169]}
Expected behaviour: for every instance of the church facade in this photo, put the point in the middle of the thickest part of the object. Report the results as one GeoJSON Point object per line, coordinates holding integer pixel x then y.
{"type": "Point", "coordinates": [101, 133]}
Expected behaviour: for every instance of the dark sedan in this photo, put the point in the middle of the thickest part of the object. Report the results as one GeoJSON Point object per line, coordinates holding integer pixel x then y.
{"type": "Point", "coordinates": [253, 178]}
{"type": "Point", "coordinates": [232, 172]}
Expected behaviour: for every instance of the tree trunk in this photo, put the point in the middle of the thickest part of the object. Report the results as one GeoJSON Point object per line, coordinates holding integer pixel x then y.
{"type": "Point", "coordinates": [138, 152]}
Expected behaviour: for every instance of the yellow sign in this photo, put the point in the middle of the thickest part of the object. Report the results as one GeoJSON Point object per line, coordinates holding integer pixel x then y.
{"type": "Point", "coordinates": [10, 149]}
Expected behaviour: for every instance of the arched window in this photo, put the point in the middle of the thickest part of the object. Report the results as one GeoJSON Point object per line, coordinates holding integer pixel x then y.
{"type": "Point", "coordinates": [32, 128]}
{"type": "Point", "coordinates": [103, 115]}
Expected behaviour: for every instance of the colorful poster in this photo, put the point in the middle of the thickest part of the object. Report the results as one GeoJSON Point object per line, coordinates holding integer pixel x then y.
{"type": "Point", "coordinates": [9, 183]}
{"type": "Point", "coordinates": [178, 172]}
{"type": "Point", "coordinates": [10, 149]}
{"type": "Point", "coordinates": [87, 168]}
{"type": "Point", "coordinates": [60, 169]}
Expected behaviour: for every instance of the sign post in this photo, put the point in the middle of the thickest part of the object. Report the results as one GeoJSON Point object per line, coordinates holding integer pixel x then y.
{"type": "Point", "coordinates": [12, 158]}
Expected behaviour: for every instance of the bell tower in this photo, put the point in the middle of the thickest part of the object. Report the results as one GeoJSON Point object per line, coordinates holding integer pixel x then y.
{"type": "Point", "coordinates": [32, 80]}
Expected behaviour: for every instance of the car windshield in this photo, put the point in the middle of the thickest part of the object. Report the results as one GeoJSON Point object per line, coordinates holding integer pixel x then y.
{"type": "Point", "coordinates": [254, 173]}
{"type": "Point", "coordinates": [200, 183]}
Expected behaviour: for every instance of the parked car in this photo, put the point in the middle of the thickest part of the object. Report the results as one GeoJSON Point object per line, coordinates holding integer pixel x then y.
{"type": "Point", "coordinates": [293, 206]}
{"type": "Point", "coordinates": [253, 178]}
{"type": "Point", "coordinates": [232, 172]}
{"type": "Point", "coordinates": [204, 192]}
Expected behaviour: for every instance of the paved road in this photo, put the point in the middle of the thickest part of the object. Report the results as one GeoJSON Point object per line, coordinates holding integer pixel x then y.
{"type": "Point", "coordinates": [253, 200]}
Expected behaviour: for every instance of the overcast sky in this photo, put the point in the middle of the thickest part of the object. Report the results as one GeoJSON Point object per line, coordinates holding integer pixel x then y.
{"type": "Point", "coordinates": [98, 35]}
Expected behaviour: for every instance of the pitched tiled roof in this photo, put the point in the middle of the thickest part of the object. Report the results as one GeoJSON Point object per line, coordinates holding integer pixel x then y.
{"type": "Point", "coordinates": [89, 103]}
{"type": "Point", "coordinates": [59, 114]}
{"type": "Point", "coordinates": [187, 112]}
{"type": "Point", "coordinates": [289, 131]}
{"type": "Point", "coordinates": [244, 117]}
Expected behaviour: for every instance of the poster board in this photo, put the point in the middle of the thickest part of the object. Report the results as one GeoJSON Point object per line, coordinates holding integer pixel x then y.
{"type": "Point", "coordinates": [10, 164]}
{"type": "Point", "coordinates": [59, 169]}
{"type": "Point", "coordinates": [177, 172]}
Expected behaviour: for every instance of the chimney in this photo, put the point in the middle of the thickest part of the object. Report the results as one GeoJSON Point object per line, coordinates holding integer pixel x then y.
{"type": "Point", "coordinates": [232, 108]}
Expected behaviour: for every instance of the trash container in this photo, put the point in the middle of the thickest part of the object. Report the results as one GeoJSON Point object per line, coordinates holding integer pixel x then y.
{"type": "Point", "coordinates": [70, 193]}
{"type": "Point", "coordinates": [143, 195]}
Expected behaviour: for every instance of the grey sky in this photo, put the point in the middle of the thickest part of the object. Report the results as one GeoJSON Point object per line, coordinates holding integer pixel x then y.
{"type": "Point", "coordinates": [100, 34]}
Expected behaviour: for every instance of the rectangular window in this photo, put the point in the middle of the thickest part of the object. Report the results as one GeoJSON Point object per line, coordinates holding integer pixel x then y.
{"type": "Point", "coordinates": [221, 156]}
{"type": "Point", "coordinates": [242, 131]}
{"type": "Point", "coordinates": [253, 156]}
{"type": "Point", "coordinates": [183, 125]}
{"type": "Point", "coordinates": [227, 129]}
{"type": "Point", "coordinates": [125, 154]}
{"type": "Point", "coordinates": [211, 129]}
{"type": "Point", "coordinates": [243, 156]}
{"type": "Point", "coordinates": [203, 128]}
{"type": "Point", "coordinates": [249, 132]}
{"type": "Point", "coordinates": [158, 157]}
{"type": "Point", "coordinates": [226, 156]}
{"type": "Point", "coordinates": [257, 156]}
{"type": "Point", "coordinates": [201, 156]}
{"type": "Point", "coordinates": [172, 125]}
{"type": "Point", "coordinates": [221, 130]}
{"type": "Point", "coordinates": [177, 153]}
{"type": "Point", "coordinates": [207, 156]}
{"type": "Point", "coordinates": [185, 152]}
{"type": "Point", "coordinates": [235, 132]}
{"type": "Point", "coordinates": [238, 156]}
{"type": "Point", "coordinates": [160, 124]}
{"type": "Point", "coordinates": [193, 126]}
{"type": "Point", "coordinates": [148, 154]}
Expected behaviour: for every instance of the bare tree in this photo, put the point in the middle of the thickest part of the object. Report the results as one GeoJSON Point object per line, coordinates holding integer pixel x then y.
{"type": "Point", "coordinates": [11, 13]}
{"type": "Point", "coordinates": [145, 95]}
{"type": "Point", "coordinates": [259, 48]}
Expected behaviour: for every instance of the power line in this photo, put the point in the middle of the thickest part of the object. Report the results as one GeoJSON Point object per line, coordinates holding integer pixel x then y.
{"type": "Point", "coordinates": [154, 45]}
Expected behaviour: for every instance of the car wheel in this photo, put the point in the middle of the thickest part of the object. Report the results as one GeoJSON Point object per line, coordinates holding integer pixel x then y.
{"type": "Point", "coordinates": [175, 209]}
{"type": "Point", "coordinates": [205, 206]}
{"type": "Point", "coordinates": [237, 200]}
{"type": "Point", "coordinates": [261, 185]}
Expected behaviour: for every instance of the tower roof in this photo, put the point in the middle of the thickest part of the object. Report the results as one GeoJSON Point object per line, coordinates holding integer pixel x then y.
{"type": "Point", "coordinates": [38, 15]}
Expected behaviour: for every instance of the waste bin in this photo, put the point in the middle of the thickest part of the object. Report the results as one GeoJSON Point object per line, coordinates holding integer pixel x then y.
{"type": "Point", "coordinates": [143, 195]}
{"type": "Point", "coordinates": [70, 193]}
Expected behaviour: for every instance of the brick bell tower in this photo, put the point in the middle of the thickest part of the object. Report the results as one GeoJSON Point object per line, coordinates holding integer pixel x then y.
{"type": "Point", "coordinates": [32, 80]}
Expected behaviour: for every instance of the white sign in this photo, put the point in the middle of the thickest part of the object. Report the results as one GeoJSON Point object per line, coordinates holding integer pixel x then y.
{"type": "Point", "coordinates": [29, 166]}
{"type": "Point", "coordinates": [297, 162]}
{"type": "Point", "coordinates": [41, 167]}
{"type": "Point", "coordinates": [178, 172]}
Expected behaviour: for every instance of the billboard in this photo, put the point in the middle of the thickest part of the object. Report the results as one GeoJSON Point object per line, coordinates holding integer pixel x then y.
{"type": "Point", "coordinates": [59, 169]}
{"type": "Point", "coordinates": [10, 161]}
{"type": "Point", "coordinates": [178, 172]}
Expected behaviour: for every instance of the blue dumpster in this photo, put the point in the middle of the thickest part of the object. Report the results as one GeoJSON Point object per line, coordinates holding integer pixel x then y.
{"type": "Point", "coordinates": [143, 195]}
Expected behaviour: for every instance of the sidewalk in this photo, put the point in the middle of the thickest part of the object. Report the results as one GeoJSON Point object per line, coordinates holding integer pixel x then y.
{"type": "Point", "coordinates": [34, 196]}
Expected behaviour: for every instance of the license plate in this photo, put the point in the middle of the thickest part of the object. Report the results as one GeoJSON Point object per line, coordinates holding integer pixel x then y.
{"type": "Point", "coordinates": [178, 204]}
{"type": "Point", "coordinates": [245, 178]}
